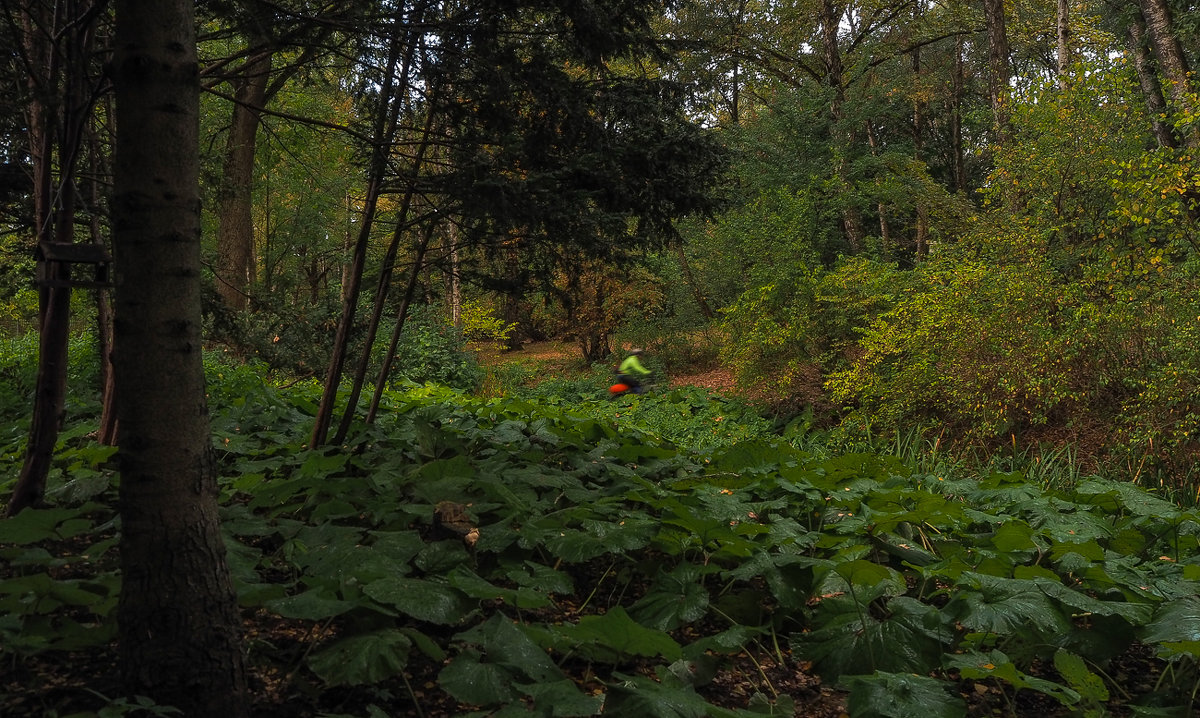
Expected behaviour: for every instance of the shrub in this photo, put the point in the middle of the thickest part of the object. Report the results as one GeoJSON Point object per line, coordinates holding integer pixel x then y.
{"type": "Point", "coordinates": [480, 324]}
{"type": "Point", "coordinates": [431, 350]}
{"type": "Point", "coordinates": [802, 326]}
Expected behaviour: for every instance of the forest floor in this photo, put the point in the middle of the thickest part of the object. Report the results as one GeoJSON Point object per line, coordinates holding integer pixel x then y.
{"type": "Point", "coordinates": [563, 359]}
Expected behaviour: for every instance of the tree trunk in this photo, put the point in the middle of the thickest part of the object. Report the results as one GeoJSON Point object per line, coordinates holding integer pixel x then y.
{"type": "Point", "coordinates": [385, 277]}
{"type": "Point", "coordinates": [453, 279]}
{"type": "Point", "coordinates": [831, 16]}
{"type": "Point", "coordinates": [686, 267]}
{"type": "Point", "coordinates": [178, 622]}
{"type": "Point", "coordinates": [999, 72]}
{"type": "Point", "coordinates": [1156, 104]}
{"type": "Point", "coordinates": [410, 289]}
{"type": "Point", "coordinates": [921, 231]}
{"type": "Point", "coordinates": [956, 136]}
{"type": "Point", "coordinates": [107, 434]}
{"type": "Point", "coordinates": [885, 230]}
{"type": "Point", "coordinates": [1171, 61]}
{"type": "Point", "coordinates": [235, 230]}
{"type": "Point", "coordinates": [1064, 46]}
{"type": "Point", "coordinates": [383, 130]}
{"type": "Point", "coordinates": [58, 83]}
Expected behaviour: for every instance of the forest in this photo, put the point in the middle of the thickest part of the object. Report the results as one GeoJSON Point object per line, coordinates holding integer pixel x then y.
{"type": "Point", "coordinates": [309, 312]}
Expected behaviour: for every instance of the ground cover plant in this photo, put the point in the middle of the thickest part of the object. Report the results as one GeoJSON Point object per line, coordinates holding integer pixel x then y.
{"type": "Point", "coordinates": [468, 556]}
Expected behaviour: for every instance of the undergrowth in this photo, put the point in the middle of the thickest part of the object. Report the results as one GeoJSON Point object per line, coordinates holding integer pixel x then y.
{"type": "Point", "coordinates": [525, 558]}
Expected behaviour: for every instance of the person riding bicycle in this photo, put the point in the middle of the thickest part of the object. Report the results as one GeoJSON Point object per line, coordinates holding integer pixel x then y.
{"type": "Point", "coordinates": [632, 373]}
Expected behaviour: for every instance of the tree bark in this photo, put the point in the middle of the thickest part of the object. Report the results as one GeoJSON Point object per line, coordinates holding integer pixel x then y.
{"type": "Point", "coordinates": [956, 136]}
{"type": "Point", "coordinates": [453, 278]}
{"type": "Point", "coordinates": [1172, 62]}
{"type": "Point", "coordinates": [410, 290]}
{"type": "Point", "coordinates": [690, 279]}
{"type": "Point", "coordinates": [58, 115]}
{"type": "Point", "coordinates": [385, 274]}
{"type": "Point", "coordinates": [178, 623]}
{"type": "Point", "coordinates": [1064, 45]}
{"type": "Point", "coordinates": [1156, 104]}
{"type": "Point", "coordinates": [235, 230]}
{"type": "Point", "coordinates": [921, 231]}
{"type": "Point", "coordinates": [999, 68]}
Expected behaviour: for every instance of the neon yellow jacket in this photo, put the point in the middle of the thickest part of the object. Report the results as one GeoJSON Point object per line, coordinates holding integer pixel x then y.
{"type": "Point", "coordinates": [631, 365]}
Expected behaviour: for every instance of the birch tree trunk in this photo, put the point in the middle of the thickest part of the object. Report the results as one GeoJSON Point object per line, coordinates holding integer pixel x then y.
{"type": "Point", "coordinates": [1064, 45]}
{"type": "Point", "coordinates": [178, 622]}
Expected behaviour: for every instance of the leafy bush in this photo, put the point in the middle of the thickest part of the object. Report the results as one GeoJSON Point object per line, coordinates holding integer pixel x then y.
{"type": "Point", "coordinates": [480, 324]}
{"type": "Point", "coordinates": [433, 350]}
{"type": "Point", "coordinates": [786, 335]}
{"type": "Point", "coordinates": [952, 350]}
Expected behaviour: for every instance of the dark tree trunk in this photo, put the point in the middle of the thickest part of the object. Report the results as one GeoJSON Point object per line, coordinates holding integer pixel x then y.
{"type": "Point", "coordinates": [1156, 104]}
{"type": "Point", "coordinates": [382, 132]}
{"type": "Point", "coordinates": [178, 622]}
{"type": "Point", "coordinates": [235, 231]}
{"type": "Point", "coordinates": [385, 278]}
{"type": "Point", "coordinates": [1172, 62]}
{"type": "Point", "coordinates": [1064, 44]}
{"type": "Point", "coordinates": [57, 74]}
{"type": "Point", "coordinates": [999, 72]}
{"type": "Point", "coordinates": [956, 136]}
{"type": "Point", "coordinates": [686, 267]}
{"type": "Point", "coordinates": [410, 290]}
{"type": "Point", "coordinates": [921, 237]}
{"type": "Point", "coordinates": [831, 16]}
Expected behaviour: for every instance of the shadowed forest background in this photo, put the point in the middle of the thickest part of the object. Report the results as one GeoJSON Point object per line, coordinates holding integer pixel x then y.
{"type": "Point", "coordinates": [917, 280]}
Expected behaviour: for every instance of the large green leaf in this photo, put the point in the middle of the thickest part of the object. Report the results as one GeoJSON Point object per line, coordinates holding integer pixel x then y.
{"type": "Point", "coordinates": [616, 631]}
{"type": "Point", "coordinates": [848, 639]}
{"type": "Point", "coordinates": [472, 585]}
{"type": "Point", "coordinates": [1175, 629]}
{"type": "Point", "coordinates": [676, 598]}
{"type": "Point", "coordinates": [312, 605]}
{"type": "Point", "coordinates": [505, 644]}
{"type": "Point", "coordinates": [1006, 607]}
{"type": "Point", "coordinates": [1074, 670]}
{"type": "Point", "coordinates": [364, 659]}
{"type": "Point", "coordinates": [901, 695]}
{"type": "Point", "coordinates": [639, 696]}
{"type": "Point", "coordinates": [421, 599]}
{"type": "Point", "coordinates": [562, 698]}
{"type": "Point", "coordinates": [33, 525]}
{"type": "Point", "coordinates": [996, 665]}
{"type": "Point", "coordinates": [472, 681]}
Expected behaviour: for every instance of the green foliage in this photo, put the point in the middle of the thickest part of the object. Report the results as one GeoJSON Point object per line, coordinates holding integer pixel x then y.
{"type": "Point", "coordinates": [898, 695]}
{"type": "Point", "coordinates": [18, 299]}
{"type": "Point", "coordinates": [480, 324]}
{"type": "Point", "coordinates": [686, 416]}
{"type": "Point", "coordinates": [858, 564]}
{"type": "Point", "coordinates": [787, 334]}
{"type": "Point", "coordinates": [433, 350]}
{"type": "Point", "coordinates": [951, 350]}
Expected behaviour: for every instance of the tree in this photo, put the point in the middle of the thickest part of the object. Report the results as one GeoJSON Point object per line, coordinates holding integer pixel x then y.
{"type": "Point", "coordinates": [998, 64]}
{"type": "Point", "coordinates": [179, 628]}
{"type": "Point", "coordinates": [1172, 62]}
{"type": "Point", "coordinates": [56, 46]}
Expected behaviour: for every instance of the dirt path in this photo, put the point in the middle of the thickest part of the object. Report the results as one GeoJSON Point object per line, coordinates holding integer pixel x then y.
{"type": "Point", "coordinates": [563, 357]}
